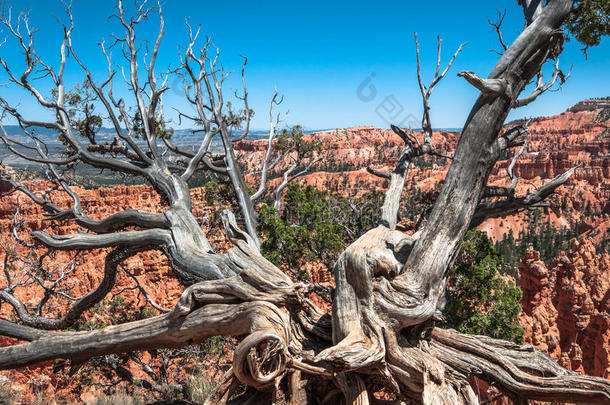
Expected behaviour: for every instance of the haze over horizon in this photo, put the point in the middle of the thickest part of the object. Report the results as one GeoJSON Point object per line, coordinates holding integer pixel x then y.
{"type": "Point", "coordinates": [337, 64]}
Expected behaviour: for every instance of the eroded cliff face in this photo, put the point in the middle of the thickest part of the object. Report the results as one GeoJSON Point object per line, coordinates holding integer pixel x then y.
{"type": "Point", "coordinates": [566, 307]}
{"type": "Point", "coordinates": [565, 304]}
{"type": "Point", "coordinates": [579, 136]}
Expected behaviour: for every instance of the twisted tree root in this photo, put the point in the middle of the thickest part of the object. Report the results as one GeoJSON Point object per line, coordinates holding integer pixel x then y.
{"type": "Point", "coordinates": [260, 359]}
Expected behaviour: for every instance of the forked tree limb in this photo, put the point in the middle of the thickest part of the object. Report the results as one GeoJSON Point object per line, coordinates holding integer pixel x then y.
{"type": "Point", "coordinates": [489, 87]}
{"type": "Point", "coordinates": [389, 285]}
{"type": "Point", "coordinates": [413, 295]}
{"type": "Point", "coordinates": [497, 26]}
{"type": "Point", "coordinates": [267, 163]}
{"type": "Point", "coordinates": [82, 304]}
{"type": "Point", "coordinates": [509, 191]}
{"type": "Point", "coordinates": [474, 159]}
{"type": "Point", "coordinates": [413, 148]}
{"type": "Point", "coordinates": [165, 331]}
{"type": "Point", "coordinates": [207, 79]}
{"type": "Point", "coordinates": [426, 91]}
{"type": "Point", "coordinates": [542, 87]}
{"type": "Point", "coordinates": [143, 291]}
{"type": "Point", "coordinates": [512, 205]}
{"type": "Point", "coordinates": [290, 175]}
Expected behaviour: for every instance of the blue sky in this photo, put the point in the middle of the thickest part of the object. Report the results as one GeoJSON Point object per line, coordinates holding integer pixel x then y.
{"type": "Point", "coordinates": [318, 53]}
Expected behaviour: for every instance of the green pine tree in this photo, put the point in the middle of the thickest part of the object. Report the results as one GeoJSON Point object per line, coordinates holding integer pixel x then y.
{"type": "Point", "coordinates": [479, 300]}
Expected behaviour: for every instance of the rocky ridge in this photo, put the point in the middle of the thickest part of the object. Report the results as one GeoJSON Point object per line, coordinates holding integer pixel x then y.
{"type": "Point", "coordinates": [578, 137]}
{"type": "Point", "coordinates": [565, 304]}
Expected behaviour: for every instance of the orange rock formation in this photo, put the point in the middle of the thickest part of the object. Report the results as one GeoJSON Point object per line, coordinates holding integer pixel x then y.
{"type": "Point", "coordinates": [579, 136]}
{"type": "Point", "coordinates": [566, 307]}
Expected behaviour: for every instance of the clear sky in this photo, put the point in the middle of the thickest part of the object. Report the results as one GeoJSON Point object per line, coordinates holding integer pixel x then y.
{"type": "Point", "coordinates": [318, 54]}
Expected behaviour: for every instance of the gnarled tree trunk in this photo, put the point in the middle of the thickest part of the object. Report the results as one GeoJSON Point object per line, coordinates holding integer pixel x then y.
{"type": "Point", "coordinates": [389, 285]}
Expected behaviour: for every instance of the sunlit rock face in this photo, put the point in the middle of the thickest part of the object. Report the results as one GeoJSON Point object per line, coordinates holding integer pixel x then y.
{"type": "Point", "coordinates": [565, 304]}
{"type": "Point", "coordinates": [566, 307]}
{"type": "Point", "coordinates": [579, 136]}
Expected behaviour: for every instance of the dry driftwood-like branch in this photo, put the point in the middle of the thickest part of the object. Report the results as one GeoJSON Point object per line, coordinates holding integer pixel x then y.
{"type": "Point", "coordinates": [389, 285]}
{"type": "Point", "coordinates": [413, 148]}
{"type": "Point", "coordinates": [481, 357]}
{"type": "Point", "coordinates": [497, 26]}
{"type": "Point", "coordinates": [267, 163]}
{"type": "Point", "coordinates": [512, 205]}
{"type": "Point", "coordinates": [489, 87]}
{"type": "Point", "coordinates": [542, 87]}
{"type": "Point", "coordinates": [509, 140]}
{"type": "Point", "coordinates": [427, 91]}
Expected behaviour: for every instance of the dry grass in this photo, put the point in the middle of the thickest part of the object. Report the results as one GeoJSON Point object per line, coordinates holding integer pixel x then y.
{"type": "Point", "coordinates": [118, 398]}
{"type": "Point", "coordinates": [199, 387]}
{"type": "Point", "coordinates": [8, 395]}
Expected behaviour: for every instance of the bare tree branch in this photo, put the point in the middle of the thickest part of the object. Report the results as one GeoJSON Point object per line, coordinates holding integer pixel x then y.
{"type": "Point", "coordinates": [246, 130]}
{"type": "Point", "coordinates": [413, 148]}
{"type": "Point", "coordinates": [497, 25]}
{"type": "Point", "coordinates": [489, 87]}
{"type": "Point", "coordinates": [143, 292]}
{"type": "Point", "coordinates": [512, 205]}
{"type": "Point", "coordinates": [288, 177]}
{"type": "Point", "coordinates": [83, 241]}
{"type": "Point", "coordinates": [208, 97]}
{"type": "Point", "coordinates": [389, 285]}
{"type": "Point", "coordinates": [378, 173]}
{"type": "Point", "coordinates": [82, 304]}
{"type": "Point", "coordinates": [427, 91]}
{"type": "Point", "coordinates": [542, 87]}
{"type": "Point", "coordinates": [273, 122]}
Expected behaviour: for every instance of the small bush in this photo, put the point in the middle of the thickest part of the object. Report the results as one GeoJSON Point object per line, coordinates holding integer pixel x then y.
{"type": "Point", "coordinates": [479, 300]}
{"type": "Point", "coordinates": [213, 345]}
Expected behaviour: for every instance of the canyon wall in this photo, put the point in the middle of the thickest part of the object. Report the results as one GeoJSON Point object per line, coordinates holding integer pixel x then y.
{"type": "Point", "coordinates": [566, 307]}
{"type": "Point", "coordinates": [578, 137]}
{"type": "Point", "coordinates": [566, 304]}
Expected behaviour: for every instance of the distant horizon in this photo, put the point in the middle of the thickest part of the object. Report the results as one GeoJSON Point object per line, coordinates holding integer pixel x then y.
{"type": "Point", "coordinates": [260, 131]}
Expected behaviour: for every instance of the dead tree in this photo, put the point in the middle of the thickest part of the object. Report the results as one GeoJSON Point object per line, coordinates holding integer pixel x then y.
{"type": "Point", "coordinates": [389, 286]}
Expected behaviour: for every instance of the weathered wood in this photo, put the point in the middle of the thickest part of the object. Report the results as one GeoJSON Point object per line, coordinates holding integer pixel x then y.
{"type": "Point", "coordinates": [473, 356]}
{"type": "Point", "coordinates": [474, 158]}
{"type": "Point", "coordinates": [163, 331]}
{"type": "Point", "coordinates": [389, 285]}
{"type": "Point", "coordinates": [353, 389]}
{"type": "Point", "coordinates": [297, 388]}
